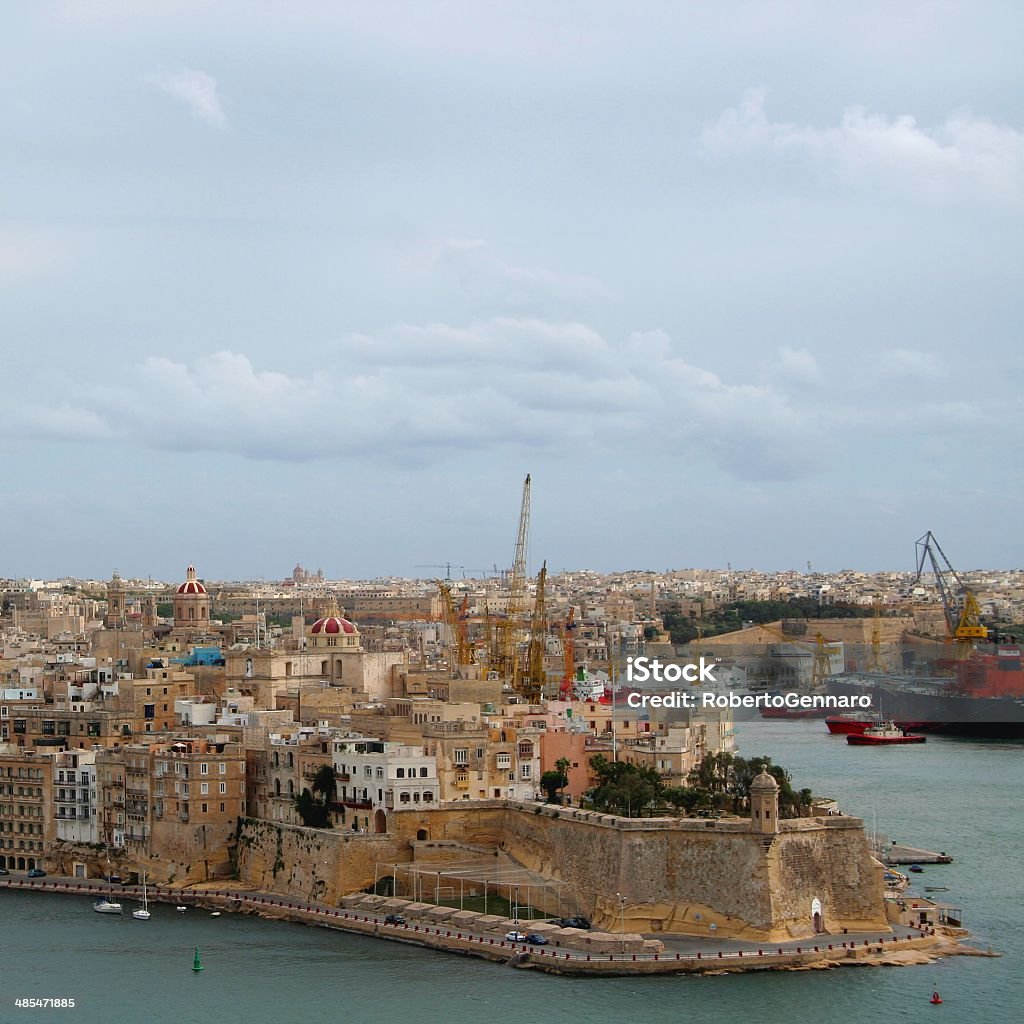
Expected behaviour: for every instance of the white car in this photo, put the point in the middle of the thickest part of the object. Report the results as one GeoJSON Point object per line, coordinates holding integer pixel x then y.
{"type": "Point", "coordinates": [514, 936]}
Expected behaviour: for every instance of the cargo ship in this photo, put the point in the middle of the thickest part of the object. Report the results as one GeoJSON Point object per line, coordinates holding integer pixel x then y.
{"type": "Point", "coordinates": [886, 734]}
{"type": "Point", "coordinates": [985, 698]}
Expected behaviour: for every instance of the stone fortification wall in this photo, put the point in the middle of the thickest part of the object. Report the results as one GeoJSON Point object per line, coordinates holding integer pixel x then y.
{"type": "Point", "coordinates": [673, 876]}
{"type": "Point", "coordinates": [308, 863]}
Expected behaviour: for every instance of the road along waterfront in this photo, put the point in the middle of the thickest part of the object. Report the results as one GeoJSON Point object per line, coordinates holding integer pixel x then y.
{"type": "Point", "coordinates": [859, 949]}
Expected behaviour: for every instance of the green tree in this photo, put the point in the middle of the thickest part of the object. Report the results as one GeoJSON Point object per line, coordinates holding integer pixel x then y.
{"type": "Point", "coordinates": [315, 807]}
{"type": "Point", "coordinates": [551, 783]}
{"type": "Point", "coordinates": [562, 766]}
{"type": "Point", "coordinates": [313, 813]}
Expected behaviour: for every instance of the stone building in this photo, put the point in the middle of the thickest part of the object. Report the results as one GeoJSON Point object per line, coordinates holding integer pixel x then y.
{"type": "Point", "coordinates": [380, 777]}
{"type": "Point", "coordinates": [26, 809]}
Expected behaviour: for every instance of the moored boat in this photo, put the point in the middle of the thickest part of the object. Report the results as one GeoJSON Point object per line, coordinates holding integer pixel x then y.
{"type": "Point", "coordinates": [851, 722]}
{"type": "Point", "coordinates": [886, 734]}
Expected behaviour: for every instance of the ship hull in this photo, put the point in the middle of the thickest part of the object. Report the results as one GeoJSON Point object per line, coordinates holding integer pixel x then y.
{"type": "Point", "coordinates": [918, 706]}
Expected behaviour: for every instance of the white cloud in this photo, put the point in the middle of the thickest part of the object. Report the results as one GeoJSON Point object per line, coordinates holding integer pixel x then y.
{"type": "Point", "coordinates": [967, 158]}
{"type": "Point", "coordinates": [798, 365]}
{"type": "Point", "coordinates": [413, 392]}
{"type": "Point", "coordinates": [197, 90]}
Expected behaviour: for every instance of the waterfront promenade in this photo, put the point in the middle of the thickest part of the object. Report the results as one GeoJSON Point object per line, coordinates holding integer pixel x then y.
{"type": "Point", "coordinates": [684, 955]}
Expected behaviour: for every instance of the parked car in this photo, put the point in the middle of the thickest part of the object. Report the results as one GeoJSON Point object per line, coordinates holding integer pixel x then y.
{"type": "Point", "coordinates": [37, 873]}
{"type": "Point", "coordinates": [114, 879]}
{"type": "Point", "coordinates": [536, 939]}
{"type": "Point", "coordinates": [515, 936]}
{"type": "Point", "coordinates": [573, 922]}
{"type": "Point", "coordinates": [394, 919]}
{"type": "Point", "coordinates": [4, 871]}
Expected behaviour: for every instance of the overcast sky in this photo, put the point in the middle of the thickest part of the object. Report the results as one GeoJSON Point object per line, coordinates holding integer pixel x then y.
{"type": "Point", "coordinates": [321, 282]}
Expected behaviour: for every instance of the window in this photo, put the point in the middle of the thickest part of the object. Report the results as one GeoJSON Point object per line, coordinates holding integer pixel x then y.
{"type": "Point", "coordinates": [222, 807]}
{"type": "Point", "coordinates": [524, 771]}
{"type": "Point", "coordinates": [223, 787]}
{"type": "Point", "coordinates": [504, 760]}
{"type": "Point", "coordinates": [423, 772]}
{"type": "Point", "coordinates": [204, 787]}
{"type": "Point", "coordinates": [399, 773]}
{"type": "Point", "coordinates": [205, 806]}
{"type": "Point", "coordinates": [222, 768]}
{"type": "Point", "coordinates": [461, 755]}
{"type": "Point", "coordinates": [204, 769]}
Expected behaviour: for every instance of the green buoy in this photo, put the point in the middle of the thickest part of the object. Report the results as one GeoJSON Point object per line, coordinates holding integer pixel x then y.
{"type": "Point", "coordinates": [197, 963]}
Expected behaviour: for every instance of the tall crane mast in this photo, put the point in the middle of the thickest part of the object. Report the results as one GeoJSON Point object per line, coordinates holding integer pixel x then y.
{"type": "Point", "coordinates": [532, 685]}
{"type": "Point", "coordinates": [508, 631]}
{"type": "Point", "coordinates": [959, 605]}
{"type": "Point", "coordinates": [565, 690]}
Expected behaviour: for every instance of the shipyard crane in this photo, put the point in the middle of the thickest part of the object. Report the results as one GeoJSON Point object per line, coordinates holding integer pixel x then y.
{"type": "Point", "coordinates": [959, 605]}
{"type": "Point", "coordinates": [460, 652]}
{"type": "Point", "coordinates": [877, 662]}
{"type": "Point", "coordinates": [507, 632]}
{"type": "Point", "coordinates": [567, 686]}
{"type": "Point", "coordinates": [532, 683]}
{"type": "Point", "coordinates": [821, 668]}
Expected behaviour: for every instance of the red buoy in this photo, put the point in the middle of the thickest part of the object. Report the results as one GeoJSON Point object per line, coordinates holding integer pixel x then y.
{"type": "Point", "coordinates": [935, 999]}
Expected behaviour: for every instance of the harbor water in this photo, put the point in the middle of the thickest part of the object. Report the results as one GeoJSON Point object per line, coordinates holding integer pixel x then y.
{"type": "Point", "coordinates": [965, 797]}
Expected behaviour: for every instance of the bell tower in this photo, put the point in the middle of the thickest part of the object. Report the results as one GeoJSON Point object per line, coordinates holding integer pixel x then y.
{"type": "Point", "coordinates": [115, 603]}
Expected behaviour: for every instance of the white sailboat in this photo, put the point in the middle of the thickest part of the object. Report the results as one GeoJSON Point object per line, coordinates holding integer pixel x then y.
{"type": "Point", "coordinates": [142, 914]}
{"type": "Point", "coordinates": [107, 904]}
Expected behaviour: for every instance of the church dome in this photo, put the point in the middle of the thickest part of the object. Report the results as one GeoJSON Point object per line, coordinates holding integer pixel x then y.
{"type": "Point", "coordinates": [332, 624]}
{"type": "Point", "coordinates": [191, 584]}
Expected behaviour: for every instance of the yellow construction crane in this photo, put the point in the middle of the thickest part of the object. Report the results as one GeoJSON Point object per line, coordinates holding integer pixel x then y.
{"type": "Point", "coordinates": [821, 668]}
{"type": "Point", "coordinates": [959, 605]}
{"type": "Point", "coordinates": [877, 662]}
{"type": "Point", "coordinates": [460, 652]}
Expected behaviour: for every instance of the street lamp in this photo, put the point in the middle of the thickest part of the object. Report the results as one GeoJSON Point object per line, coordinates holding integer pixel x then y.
{"type": "Point", "coordinates": [622, 920]}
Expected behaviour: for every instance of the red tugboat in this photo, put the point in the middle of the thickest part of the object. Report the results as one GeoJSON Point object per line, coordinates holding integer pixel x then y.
{"type": "Point", "coordinates": [843, 725]}
{"type": "Point", "coordinates": [883, 735]}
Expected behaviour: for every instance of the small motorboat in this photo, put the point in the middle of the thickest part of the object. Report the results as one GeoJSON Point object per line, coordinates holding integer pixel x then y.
{"type": "Point", "coordinates": [181, 910]}
{"type": "Point", "coordinates": [916, 868]}
{"type": "Point", "coordinates": [215, 913]}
